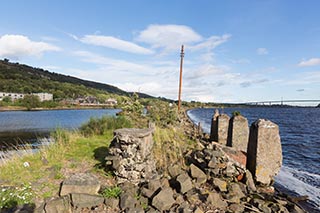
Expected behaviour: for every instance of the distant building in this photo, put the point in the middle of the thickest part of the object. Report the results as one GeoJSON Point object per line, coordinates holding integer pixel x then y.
{"type": "Point", "coordinates": [111, 102]}
{"type": "Point", "coordinates": [15, 96]}
{"type": "Point", "coordinates": [43, 96]}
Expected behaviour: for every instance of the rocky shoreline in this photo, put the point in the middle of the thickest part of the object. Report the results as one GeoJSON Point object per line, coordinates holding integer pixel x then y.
{"type": "Point", "coordinates": [214, 178]}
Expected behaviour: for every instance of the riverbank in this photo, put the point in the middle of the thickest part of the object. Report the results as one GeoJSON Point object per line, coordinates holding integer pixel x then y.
{"type": "Point", "coordinates": [19, 108]}
{"type": "Point", "coordinates": [174, 140]}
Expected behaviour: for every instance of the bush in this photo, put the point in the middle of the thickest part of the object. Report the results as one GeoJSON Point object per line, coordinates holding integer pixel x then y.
{"type": "Point", "coordinates": [98, 126]}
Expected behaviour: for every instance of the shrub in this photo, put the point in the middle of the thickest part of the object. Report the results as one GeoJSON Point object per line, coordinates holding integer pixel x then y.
{"type": "Point", "coordinates": [236, 113]}
{"type": "Point", "coordinates": [99, 126]}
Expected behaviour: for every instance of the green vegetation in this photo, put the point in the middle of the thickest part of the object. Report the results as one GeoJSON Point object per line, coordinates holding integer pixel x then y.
{"type": "Point", "coordinates": [99, 126]}
{"type": "Point", "coordinates": [236, 113]}
{"type": "Point", "coordinates": [111, 192]}
{"type": "Point", "coordinates": [30, 101]}
{"type": "Point", "coordinates": [13, 196]}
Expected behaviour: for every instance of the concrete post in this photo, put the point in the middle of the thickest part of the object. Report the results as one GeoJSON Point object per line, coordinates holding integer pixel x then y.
{"type": "Point", "coordinates": [238, 133]}
{"type": "Point", "coordinates": [264, 153]}
{"type": "Point", "coordinates": [223, 126]}
{"type": "Point", "coordinates": [214, 126]}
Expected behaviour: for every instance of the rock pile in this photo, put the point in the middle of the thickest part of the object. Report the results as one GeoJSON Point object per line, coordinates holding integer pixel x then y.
{"type": "Point", "coordinates": [131, 156]}
{"type": "Point", "coordinates": [213, 181]}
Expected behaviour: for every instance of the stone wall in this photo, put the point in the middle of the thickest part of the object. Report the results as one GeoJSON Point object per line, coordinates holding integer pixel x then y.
{"type": "Point", "coordinates": [131, 156]}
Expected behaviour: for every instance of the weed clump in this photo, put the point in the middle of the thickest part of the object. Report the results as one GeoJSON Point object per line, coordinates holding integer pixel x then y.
{"type": "Point", "coordinates": [111, 192]}
{"type": "Point", "coordinates": [99, 126]}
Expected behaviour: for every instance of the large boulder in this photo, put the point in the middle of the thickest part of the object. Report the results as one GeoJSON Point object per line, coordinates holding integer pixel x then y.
{"type": "Point", "coordinates": [80, 183]}
{"type": "Point", "coordinates": [86, 200]}
{"type": "Point", "coordinates": [264, 154]}
{"type": "Point", "coordinates": [238, 133]}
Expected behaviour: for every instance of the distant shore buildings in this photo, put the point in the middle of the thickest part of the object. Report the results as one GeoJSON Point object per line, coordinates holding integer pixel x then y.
{"type": "Point", "coordinates": [43, 96]}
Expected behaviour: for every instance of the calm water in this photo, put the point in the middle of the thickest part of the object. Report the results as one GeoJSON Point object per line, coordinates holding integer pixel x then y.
{"type": "Point", "coordinates": [19, 126]}
{"type": "Point", "coordinates": [300, 138]}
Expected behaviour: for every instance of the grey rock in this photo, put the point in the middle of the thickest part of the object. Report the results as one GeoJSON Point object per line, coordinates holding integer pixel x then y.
{"type": "Point", "coordinates": [80, 183]}
{"type": "Point", "coordinates": [127, 201]}
{"type": "Point", "coordinates": [235, 193]}
{"type": "Point", "coordinates": [238, 133]}
{"type": "Point", "coordinates": [174, 170]}
{"type": "Point", "coordinates": [86, 200]}
{"type": "Point", "coordinates": [215, 199]}
{"type": "Point", "coordinates": [112, 202]}
{"type": "Point", "coordinates": [58, 205]}
{"type": "Point", "coordinates": [264, 156]}
{"type": "Point", "coordinates": [249, 181]}
{"type": "Point", "coordinates": [164, 200]}
{"type": "Point", "coordinates": [185, 183]}
{"type": "Point", "coordinates": [198, 174]}
{"type": "Point", "coordinates": [221, 184]}
{"type": "Point", "coordinates": [236, 208]}
{"type": "Point", "coordinates": [212, 163]}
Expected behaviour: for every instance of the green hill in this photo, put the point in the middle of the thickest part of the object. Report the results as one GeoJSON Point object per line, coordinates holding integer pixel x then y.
{"type": "Point", "coordinates": [20, 78]}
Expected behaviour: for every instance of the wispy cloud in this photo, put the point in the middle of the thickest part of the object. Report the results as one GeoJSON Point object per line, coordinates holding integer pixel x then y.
{"type": "Point", "coordinates": [262, 51]}
{"type": "Point", "coordinates": [253, 82]}
{"type": "Point", "coordinates": [114, 43]}
{"type": "Point", "coordinates": [309, 62]}
{"type": "Point", "coordinates": [211, 43]}
{"type": "Point", "coordinates": [16, 46]}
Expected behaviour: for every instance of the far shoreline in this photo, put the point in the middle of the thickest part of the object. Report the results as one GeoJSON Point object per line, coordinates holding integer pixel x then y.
{"type": "Point", "coordinates": [18, 108]}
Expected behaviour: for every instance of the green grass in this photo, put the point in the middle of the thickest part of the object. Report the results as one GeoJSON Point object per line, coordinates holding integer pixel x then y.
{"type": "Point", "coordinates": [111, 192]}
{"type": "Point", "coordinates": [71, 152]}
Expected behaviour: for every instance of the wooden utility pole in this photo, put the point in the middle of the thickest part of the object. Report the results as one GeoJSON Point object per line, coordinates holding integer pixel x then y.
{"type": "Point", "coordinates": [180, 82]}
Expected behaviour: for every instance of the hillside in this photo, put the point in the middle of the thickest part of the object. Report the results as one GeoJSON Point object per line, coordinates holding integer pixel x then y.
{"type": "Point", "coordinates": [20, 78]}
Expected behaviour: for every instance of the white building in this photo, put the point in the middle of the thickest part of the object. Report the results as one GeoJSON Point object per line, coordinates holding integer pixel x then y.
{"type": "Point", "coordinates": [15, 96]}
{"type": "Point", "coordinates": [43, 96]}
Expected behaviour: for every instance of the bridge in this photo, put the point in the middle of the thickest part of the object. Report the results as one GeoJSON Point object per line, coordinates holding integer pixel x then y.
{"type": "Point", "coordinates": [282, 102]}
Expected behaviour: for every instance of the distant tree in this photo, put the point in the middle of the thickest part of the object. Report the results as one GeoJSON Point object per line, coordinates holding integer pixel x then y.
{"type": "Point", "coordinates": [7, 99]}
{"type": "Point", "coordinates": [30, 101]}
{"type": "Point", "coordinates": [6, 60]}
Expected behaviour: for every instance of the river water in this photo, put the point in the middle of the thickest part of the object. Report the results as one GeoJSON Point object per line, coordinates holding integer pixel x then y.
{"type": "Point", "coordinates": [18, 127]}
{"type": "Point", "coordinates": [300, 139]}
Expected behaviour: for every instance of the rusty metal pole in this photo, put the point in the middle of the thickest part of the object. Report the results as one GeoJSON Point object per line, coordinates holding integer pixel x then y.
{"type": "Point", "coordinates": [180, 82]}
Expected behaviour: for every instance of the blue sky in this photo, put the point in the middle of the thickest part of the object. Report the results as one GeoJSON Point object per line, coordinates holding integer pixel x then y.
{"type": "Point", "coordinates": [235, 51]}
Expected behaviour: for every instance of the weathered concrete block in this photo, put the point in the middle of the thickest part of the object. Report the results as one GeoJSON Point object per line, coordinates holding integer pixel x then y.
{"type": "Point", "coordinates": [214, 126]}
{"type": "Point", "coordinates": [185, 183]}
{"type": "Point", "coordinates": [223, 126]}
{"type": "Point", "coordinates": [238, 133]}
{"type": "Point", "coordinates": [80, 183]}
{"type": "Point", "coordinates": [264, 154]}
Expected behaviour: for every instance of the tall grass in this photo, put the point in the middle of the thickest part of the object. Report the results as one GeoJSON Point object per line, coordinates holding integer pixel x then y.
{"type": "Point", "coordinates": [170, 145]}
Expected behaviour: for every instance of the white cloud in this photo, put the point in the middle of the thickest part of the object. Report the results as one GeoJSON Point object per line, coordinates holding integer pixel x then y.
{"type": "Point", "coordinates": [310, 62]}
{"type": "Point", "coordinates": [262, 51]}
{"type": "Point", "coordinates": [211, 43]}
{"type": "Point", "coordinates": [114, 43]}
{"type": "Point", "coordinates": [18, 46]}
{"type": "Point", "coordinates": [169, 37]}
